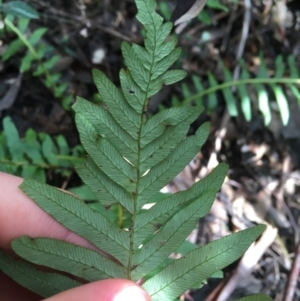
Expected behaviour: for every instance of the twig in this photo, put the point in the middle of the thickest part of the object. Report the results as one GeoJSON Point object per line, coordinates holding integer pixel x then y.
{"type": "Point", "coordinates": [9, 98]}
{"type": "Point", "coordinates": [245, 33]}
{"type": "Point", "coordinates": [293, 277]}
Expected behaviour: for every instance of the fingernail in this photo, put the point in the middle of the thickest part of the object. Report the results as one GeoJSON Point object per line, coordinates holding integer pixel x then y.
{"type": "Point", "coordinates": [132, 293]}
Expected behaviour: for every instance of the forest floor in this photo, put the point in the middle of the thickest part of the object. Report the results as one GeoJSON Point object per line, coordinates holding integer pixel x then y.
{"type": "Point", "coordinates": [263, 183]}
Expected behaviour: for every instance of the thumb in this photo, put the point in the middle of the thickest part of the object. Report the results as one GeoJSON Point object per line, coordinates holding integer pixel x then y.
{"type": "Point", "coordinates": [104, 290]}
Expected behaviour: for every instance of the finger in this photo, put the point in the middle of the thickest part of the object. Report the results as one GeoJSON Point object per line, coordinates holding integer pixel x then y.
{"type": "Point", "coordinates": [104, 290]}
{"type": "Point", "coordinates": [19, 216]}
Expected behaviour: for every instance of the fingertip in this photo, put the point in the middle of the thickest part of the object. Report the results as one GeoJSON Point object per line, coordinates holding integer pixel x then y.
{"type": "Point", "coordinates": [133, 293]}
{"type": "Point", "coordinates": [104, 290]}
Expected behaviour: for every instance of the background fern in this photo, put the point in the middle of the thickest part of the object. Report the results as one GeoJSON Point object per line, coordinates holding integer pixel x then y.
{"type": "Point", "coordinates": [36, 153]}
{"type": "Point", "coordinates": [37, 56]}
{"type": "Point", "coordinates": [251, 90]}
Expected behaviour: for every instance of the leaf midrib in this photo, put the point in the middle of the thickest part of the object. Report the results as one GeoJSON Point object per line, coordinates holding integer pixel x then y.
{"type": "Point", "coordinates": [131, 251]}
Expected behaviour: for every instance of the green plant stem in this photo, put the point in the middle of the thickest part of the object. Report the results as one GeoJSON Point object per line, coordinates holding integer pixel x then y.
{"type": "Point", "coordinates": [69, 158]}
{"type": "Point", "coordinates": [21, 36]}
{"type": "Point", "coordinates": [242, 82]}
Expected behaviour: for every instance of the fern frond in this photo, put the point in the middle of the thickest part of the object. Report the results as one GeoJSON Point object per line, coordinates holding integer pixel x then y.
{"type": "Point", "coordinates": [284, 82]}
{"type": "Point", "coordinates": [36, 153]}
{"type": "Point", "coordinates": [130, 158]}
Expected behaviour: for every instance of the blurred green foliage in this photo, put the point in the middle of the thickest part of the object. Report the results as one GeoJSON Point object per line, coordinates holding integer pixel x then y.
{"type": "Point", "coordinates": [36, 153]}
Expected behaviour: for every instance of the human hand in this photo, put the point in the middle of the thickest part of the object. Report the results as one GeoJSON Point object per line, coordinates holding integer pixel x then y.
{"type": "Point", "coordinates": [19, 216]}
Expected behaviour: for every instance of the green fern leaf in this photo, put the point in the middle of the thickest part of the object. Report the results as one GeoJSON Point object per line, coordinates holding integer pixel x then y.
{"type": "Point", "coordinates": [199, 264]}
{"type": "Point", "coordinates": [147, 222]}
{"type": "Point", "coordinates": [228, 95]}
{"type": "Point", "coordinates": [158, 124]}
{"type": "Point", "coordinates": [12, 49]}
{"type": "Point", "coordinates": [106, 190]}
{"type": "Point", "coordinates": [262, 95]}
{"type": "Point", "coordinates": [14, 142]}
{"type": "Point", "coordinates": [27, 62]}
{"type": "Point", "coordinates": [105, 155]}
{"type": "Point", "coordinates": [33, 147]}
{"type": "Point", "coordinates": [62, 256]}
{"type": "Point", "coordinates": [294, 74]}
{"type": "Point", "coordinates": [199, 87]}
{"type": "Point", "coordinates": [20, 9]}
{"type": "Point", "coordinates": [212, 97]}
{"type": "Point", "coordinates": [79, 218]}
{"type": "Point", "coordinates": [115, 101]}
{"type": "Point", "coordinates": [23, 24]}
{"type": "Point", "coordinates": [43, 284]}
{"type": "Point", "coordinates": [163, 173]}
{"type": "Point", "coordinates": [279, 94]}
{"type": "Point", "coordinates": [244, 94]}
{"type": "Point", "coordinates": [36, 36]}
{"type": "Point", "coordinates": [106, 126]}
{"type": "Point", "coordinates": [171, 235]}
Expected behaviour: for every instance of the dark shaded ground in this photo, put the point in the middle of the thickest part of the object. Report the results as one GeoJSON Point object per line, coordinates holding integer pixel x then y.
{"type": "Point", "coordinates": [263, 184]}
